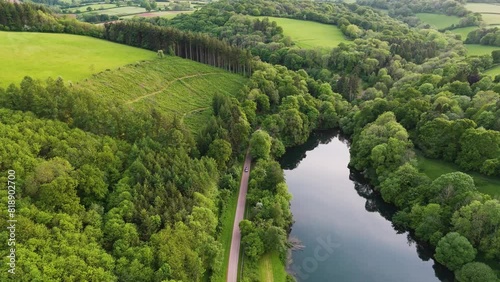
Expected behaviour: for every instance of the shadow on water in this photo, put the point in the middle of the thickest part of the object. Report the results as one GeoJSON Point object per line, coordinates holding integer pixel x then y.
{"type": "Point", "coordinates": [374, 202]}
{"type": "Point", "coordinates": [295, 155]}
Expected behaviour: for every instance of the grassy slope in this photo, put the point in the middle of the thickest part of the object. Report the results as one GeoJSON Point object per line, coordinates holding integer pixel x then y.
{"type": "Point", "coordinates": [163, 14]}
{"type": "Point", "coordinates": [494, 71]}
{"type": "Point", "coordinates": [435, 168]}
{"type": "Point", "coordinates": [271, 269]}
{"type": "Point", "coordinates": [490, 12]}
{"type": "Point", "coordinates": [41, 55]}
{"type": "Point", "coordinates": [97, 6]}
{"type": "Point", "coordinates": [308, 34]}
{"type": "Point", "coordinates": [477, 49]}
{"type": "Point", "coordinates": [438, 20]}
{"type": "Point", "coordinates": [172, 85]}
{"type": "Point", "coordinates": [483, 7]}
{"type": "Point", "coordinates": [119, 11]}
{"type": "Point", "coordinates": [464, 31]}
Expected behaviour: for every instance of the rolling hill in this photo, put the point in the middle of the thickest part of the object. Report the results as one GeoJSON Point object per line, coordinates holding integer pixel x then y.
{"type": "Point", "coordinates": [171, 85]}
{"type": "Point", "coordinates": [72, 57]}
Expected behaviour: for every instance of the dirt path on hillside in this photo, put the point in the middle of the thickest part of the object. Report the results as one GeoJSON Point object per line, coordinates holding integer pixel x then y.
{"type": "Point", "coordinates": [168, 85]}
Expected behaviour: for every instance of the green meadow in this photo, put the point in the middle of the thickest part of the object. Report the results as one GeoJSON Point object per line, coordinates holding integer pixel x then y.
{"type": "Point", "coordinates": [171, 85]}
{"type": "Point", "coordinates": [97, 6]}
{"type": "Point", "coordinates": [464, 31]}
{"type": "Point", "coordinates": [435, 168]}
{"type": "Point", "coordinates": [483, 7]}
{"type": "Point", "coordinates": [489, 11]}
{"type": "Point", "coordinates": [308, 34]}
{"type": "Point", "coordinates": [163, 14]}
{"type": "Point", "coordinates": [120, 11]}
{"type": "Point", "coordinates": [494, 71]}
{"type": "Point", "coordinates": [271, 268]}
{"type": "Point", "coordinates": [478, 50]}
{"type": "Point", "coordinates": [438, 21]}
{"type": "Point", "coordinates": [73, 57]}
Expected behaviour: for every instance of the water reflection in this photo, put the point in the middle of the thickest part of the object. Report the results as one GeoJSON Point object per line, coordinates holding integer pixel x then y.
{"type": "Point", "coordinates": [325, 205]}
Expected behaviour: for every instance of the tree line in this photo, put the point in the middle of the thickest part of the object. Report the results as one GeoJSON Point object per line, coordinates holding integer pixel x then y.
{"type": "Point", "coordinates": [194, 46]}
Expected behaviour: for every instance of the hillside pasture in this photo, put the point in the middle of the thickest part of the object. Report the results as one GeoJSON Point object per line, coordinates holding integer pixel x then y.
{"type": "Point", "coordinates": [483, 7]}
{"type": "Point", "coordinates": [464, 31]}
{"type": "Point", "coordinates": [439, 21]}
{"type": "Point", "coordinates": [491, 19]}
{"type": "Point", "coordinates": [478, 50]}
{"type": "Point", "coordinates": [73, 57]}
{"type": "Point", "coordinates": [489, 11]}
{"type": "Point", "coordinates": [308, 34]}
{"type": "Point", "coordinates": [171, 85]}
{"type": "Point", "coordinates": [97, 7]}
{"type": "Point", "coordinates": [494, 71]}
{"type": "Point", "coordinates": [120, 11]}
{"type": "Point", "coordinates": [163, 14]}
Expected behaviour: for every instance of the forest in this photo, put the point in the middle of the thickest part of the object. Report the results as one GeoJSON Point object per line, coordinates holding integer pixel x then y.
{"type": "Point", "coordinates": [134, 196]}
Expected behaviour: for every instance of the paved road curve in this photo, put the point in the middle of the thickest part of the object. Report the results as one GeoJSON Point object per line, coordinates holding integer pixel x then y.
{"type": "Point", "coordinates": [234, 254]}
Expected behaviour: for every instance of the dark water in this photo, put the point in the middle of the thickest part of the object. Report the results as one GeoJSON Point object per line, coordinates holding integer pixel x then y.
{"type": "Point", "coordinates": [345, 227]}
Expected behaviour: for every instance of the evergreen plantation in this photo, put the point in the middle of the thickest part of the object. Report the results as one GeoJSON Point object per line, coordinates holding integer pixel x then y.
{"type": "Point", "coordinates": [117, 183]}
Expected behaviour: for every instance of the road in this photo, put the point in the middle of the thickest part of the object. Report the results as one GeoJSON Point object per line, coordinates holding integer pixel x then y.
{"type": "Point", "coordinates": [234, 254]}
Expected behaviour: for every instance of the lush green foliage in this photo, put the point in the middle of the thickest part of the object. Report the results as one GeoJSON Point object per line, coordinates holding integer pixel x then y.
{"type": "Point", "coordinates": [406, 87]}
{"type": "Point", "coordinates": [53, 55]}
{"type": "Point", "coordinates": [484, 37]}
{"type": "Point", "coordinates": [195, 47]}
{"type": "Point", "coordinates": [106, 207]}
{"type": "Point", "coordinates": [30, 17]}
{"type": "Point", "coordinates": [453, 251]}
{"type": "Point", "coordinates": [476, 272]}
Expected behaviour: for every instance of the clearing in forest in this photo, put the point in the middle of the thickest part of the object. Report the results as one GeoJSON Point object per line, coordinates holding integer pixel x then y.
{"type": "Point", "coordinates": [308, 34]}
{"type": "Point", "coordinates": [438, 21]}
{"type": "Point", "coordinates": [171, 85]}
{"type": "Point", "coordinates": [478, 50]}
{"type": "Point", "coordinates": [464, 31]}
{"type": "Point", "coordinates": [73, 57]}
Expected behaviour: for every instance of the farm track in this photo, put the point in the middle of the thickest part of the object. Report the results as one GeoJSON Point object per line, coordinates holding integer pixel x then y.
{"type": "Point", "coordinates": [168, 85]}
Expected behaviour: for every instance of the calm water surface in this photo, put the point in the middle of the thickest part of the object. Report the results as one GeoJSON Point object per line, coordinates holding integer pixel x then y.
{"type": "Point", "coordinates": [343, 226]}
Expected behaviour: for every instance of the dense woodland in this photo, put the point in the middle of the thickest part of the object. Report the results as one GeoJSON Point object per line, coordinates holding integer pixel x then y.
{"type": "Point", "coordinates": [484, 36]}
{"type": "Point", "coordinates": [142, 195]}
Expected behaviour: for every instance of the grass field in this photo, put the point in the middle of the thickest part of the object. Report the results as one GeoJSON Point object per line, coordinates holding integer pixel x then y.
{"type": "Point", "coordinates": [73, 57]}
{"type": "Point", "coordinates": [173, 86]}
{"type": "Point", "coordinates": [491, 19]}
{"type": "Point", "coordinates": [307, 34]}
{"type": "Point", "coordinates": [483, 7]}
{"type": "Point", "coordinates": [438, 21]}
{"type": "Point", "coordinates": [489, 11]}
{"type": "Point", "coordinates": [435, 168]}
{"type": "Point", "coordinates": [494, 71]}
{"type": "Point", "coordinates": [97, 6]}
{"type": "Point", "coordinates": [464, 31]}
{"type": "Point", "coordinates": [121, 11]}
{"type": "Point", "coordinates": [477, 49]}
{"type": "Point", "coordinates": [271, 269]}
{"type": "Point", "coordinates": [164, 14]}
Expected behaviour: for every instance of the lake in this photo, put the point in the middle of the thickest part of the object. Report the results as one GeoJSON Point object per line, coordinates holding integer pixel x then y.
{"type": "Point", "coordinates": [345, 227]}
